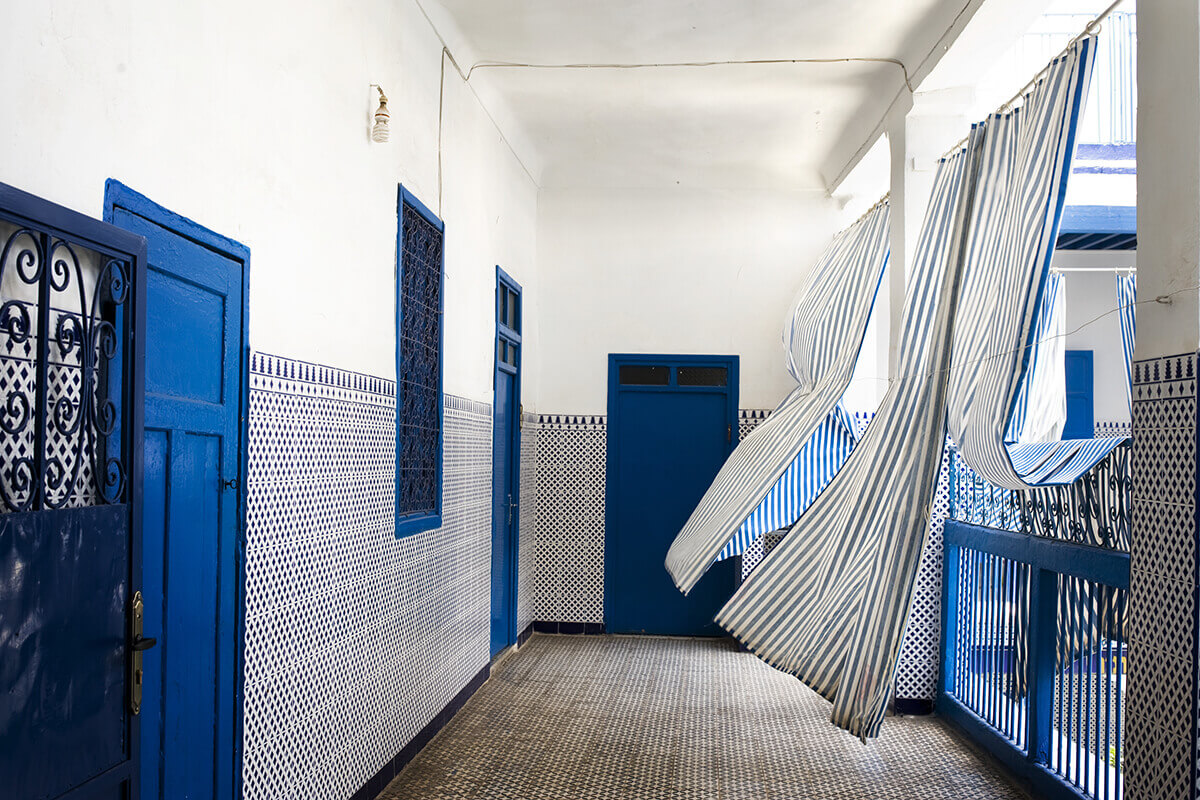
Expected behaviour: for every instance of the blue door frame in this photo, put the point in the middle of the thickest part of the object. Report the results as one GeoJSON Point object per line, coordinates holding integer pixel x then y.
{"type": "Point", "coordinates": [614, 582]}
{"type": "Point", "coordinates": [123, 203]}
{"type": "Point", "coordinates": [506, 461]}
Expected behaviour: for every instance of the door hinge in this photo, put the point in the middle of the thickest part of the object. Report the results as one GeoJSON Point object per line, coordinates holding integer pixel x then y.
{"type": "Point", "coordinates": [138, 644]}
{"type": "Point", "coordinates": [729, 433]}
{"type": "Point", "coordinates": [520, 417]}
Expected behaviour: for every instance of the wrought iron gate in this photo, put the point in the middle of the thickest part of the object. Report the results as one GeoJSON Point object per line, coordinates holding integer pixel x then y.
{"type": "Point", "coordinates": [70, 475]}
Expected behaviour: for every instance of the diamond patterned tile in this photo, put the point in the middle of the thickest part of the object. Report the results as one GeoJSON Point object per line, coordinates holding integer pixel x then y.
{"type": "Point", "coordinates": [1162, 701]}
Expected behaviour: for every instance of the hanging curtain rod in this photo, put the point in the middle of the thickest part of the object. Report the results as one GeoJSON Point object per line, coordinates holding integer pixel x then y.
{"type": "Point", "coordinates": [886, 197]}
{"type": "Point", "coordinates": [1090, 29]}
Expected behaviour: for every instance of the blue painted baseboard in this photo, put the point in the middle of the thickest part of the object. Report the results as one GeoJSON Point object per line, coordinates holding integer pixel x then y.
{"type": "Point", "coordinates": [391, 769]}
{"type": "Point", "coordinates": [523, 637]}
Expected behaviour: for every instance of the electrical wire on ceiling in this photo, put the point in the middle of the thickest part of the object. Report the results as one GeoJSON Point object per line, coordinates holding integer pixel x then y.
{"type": "Point", "coordinates": [466, 77]}
{"type": "Point", "coordinates": [666, 64]}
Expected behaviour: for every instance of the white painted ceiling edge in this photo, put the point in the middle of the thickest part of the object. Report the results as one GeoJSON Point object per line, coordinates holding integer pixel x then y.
{"type": "Point", "coordinates": [602, 127]}
{"type": "Point", "coordinates": [461, 56]}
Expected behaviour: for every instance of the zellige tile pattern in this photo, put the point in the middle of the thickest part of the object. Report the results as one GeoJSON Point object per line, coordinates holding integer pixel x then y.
{"type": "Point", "coordinates": [1160, 730]}
{"type": "Point", "coordinates": [527, 523]}
{"type": "Point", "coordinates": [355, 640]}
{"type": "Point", "coordinates": [569, 558]}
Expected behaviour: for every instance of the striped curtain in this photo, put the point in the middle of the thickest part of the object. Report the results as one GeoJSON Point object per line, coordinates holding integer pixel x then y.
{"type": "Point", "coordinates": [1025, 161]}
{"type": "Point", "coordinates": [829, 604]}
{"type": "Point", "coordinates": [822, 340]}
{"type": "Point", "coordinates": [818, 461]}
{"type": "Point", "coordinates": [1041, 408]}
{"type": "Point", "coordinates": [1126, 299]}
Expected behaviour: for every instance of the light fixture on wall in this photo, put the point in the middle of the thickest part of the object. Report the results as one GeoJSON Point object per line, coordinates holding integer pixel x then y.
{"type": "Point", "coordinates": [379, 131]}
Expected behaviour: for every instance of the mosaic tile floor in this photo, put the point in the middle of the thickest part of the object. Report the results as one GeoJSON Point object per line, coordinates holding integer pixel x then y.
{"type": "Point", "coordinates": [623, 717]}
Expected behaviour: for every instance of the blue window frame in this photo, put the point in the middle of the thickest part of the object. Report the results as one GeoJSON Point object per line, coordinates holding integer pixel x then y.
{"type": "Point", "coordinates": [419, 285]}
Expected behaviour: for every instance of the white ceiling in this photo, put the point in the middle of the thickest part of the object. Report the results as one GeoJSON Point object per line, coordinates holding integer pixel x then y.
{"type": "Point", "coordinates": [782, 126]}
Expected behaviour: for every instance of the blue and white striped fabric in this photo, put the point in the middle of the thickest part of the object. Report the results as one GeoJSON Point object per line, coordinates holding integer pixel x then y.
{"type": "Point", "coordinates": [1126, 303]}
{"type": "Point", "coordinates": [818, 461]}
{"type": "Point", "coordinates": [830, 602]}
{"type": "Point", "coordinates": [822, 340]}
{"type": "Point", "coordinates": [1041, 407]}
{"type": "Point", "coordinates": [1019, 196]}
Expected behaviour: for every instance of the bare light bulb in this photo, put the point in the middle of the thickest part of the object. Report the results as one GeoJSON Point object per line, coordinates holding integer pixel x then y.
{"type": "Point", "coordinates": [379, 131]}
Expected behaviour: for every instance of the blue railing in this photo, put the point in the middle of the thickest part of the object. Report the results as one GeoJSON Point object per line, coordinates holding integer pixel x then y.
{"type": "Point", "coordinates": [1033, 655]}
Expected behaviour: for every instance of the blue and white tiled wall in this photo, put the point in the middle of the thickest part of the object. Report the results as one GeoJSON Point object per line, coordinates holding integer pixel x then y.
{"type": "Point", "coordinates": [527, 522]}
{"type": "Point", "coordinates": [569, 558]}
{"type": "Point", "coordinates": [1161, 729]}
{"type": "Point", "coordinates": [355, 640]}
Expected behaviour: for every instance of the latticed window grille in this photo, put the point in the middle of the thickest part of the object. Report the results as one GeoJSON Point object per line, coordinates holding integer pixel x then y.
{"type": "Point", "coordinates": [419, 367]}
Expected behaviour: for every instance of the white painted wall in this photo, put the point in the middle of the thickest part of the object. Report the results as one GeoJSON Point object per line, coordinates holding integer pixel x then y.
{"type": "Point", "coordinates": [251, 118]}
{"type": "Point", "coordinates": [670, 271]}
{"type": "Point", "coordinates": [1093, 324]}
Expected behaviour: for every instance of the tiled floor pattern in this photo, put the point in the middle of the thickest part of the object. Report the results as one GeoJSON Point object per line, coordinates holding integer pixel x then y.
{"type": "Point", "coordinates": [622, 717]}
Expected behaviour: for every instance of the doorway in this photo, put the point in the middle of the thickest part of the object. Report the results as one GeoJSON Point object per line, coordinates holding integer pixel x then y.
{"type": "Point", "coordinates": [1081, 408]}
{"type": "Point", "coordinates": [672, 422]}
{"type": "Point", "coordinates": [506, 461]}
{"type": "Point", "coordinates": [193, 501]}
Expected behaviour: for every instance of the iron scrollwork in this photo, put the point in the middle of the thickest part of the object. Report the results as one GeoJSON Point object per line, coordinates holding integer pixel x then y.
{"type": "Point", "coordinates": [1094, 510]}
{"type": "Point", "coordinates": [62, 373]}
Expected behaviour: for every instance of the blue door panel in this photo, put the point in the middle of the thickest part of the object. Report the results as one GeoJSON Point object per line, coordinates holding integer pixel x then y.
{"type": "Point", "coordinates": [666, 446]}
{"type": "Point", "coordinates": [502, 498]}
{"type": "Point", "coordinates": [1080, 422]}
{"type": "Point", "coordinates": [178, 363]}
{"type": "Point", "coordinates": [192, 414]}
{"type": "Point", "coordinates": [189, 673]}
{"type": "Point", "coordinates": [64, 712]}
{"type": "Point", "coordinates": [156, 454]}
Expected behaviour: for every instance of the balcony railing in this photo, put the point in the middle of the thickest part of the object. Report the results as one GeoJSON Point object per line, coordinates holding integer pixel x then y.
{"type": "Point", "coordinates": [1033, 646]}
{"type": "Point", "coordinates": [1094, 510]}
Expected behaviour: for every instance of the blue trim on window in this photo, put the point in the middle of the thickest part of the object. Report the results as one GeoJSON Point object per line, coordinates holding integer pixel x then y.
{"type": "Point", "coordinates": [409, 524]}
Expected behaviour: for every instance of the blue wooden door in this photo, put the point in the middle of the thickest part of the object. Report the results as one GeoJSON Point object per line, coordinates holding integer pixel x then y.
{"type": "Point", "coordinates": [506, 462]}
{"type": "Point", "coordinates": [1081, 411]}
{"type": "Point", "coordinates": [672, 423]}
{"type": "Point", "coordinates": [70, 484]}
{"type": "Point", "coordinates": [191, 503]}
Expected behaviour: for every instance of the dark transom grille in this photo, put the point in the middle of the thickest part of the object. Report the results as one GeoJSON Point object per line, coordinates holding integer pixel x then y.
{"type": "Point", "coordinates": [419, 382]}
